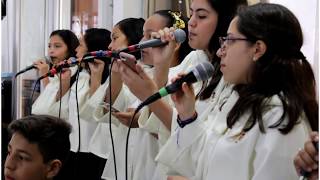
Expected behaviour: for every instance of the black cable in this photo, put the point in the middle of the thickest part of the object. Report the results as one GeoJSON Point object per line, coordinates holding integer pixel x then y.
{"type": "Point", "coordinates": [110, 129]}
{"type": "Point", "coordinates": [13, 97]}
{"type": "Point", "coordinates": [78, 116]}
{"type": "Point", "coordinates": [60, 89]}
{"type": "Point", "coordinates": [34, 88]}
{"type": "Point", "coordinates": [127, 140]}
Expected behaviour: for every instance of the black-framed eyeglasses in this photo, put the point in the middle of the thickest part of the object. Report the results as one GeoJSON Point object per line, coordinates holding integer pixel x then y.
{"type": "Point", "coordinates": [229, 40]}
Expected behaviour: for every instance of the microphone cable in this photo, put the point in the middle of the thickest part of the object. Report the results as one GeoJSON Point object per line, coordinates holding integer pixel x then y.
{"type": "Point", "coordinates": [110, 128]}
{"type": "Point", "coordinates": [34, 88]}
{"type": "Point", "coordinates": [78, 116]}
{"type": "Point", "coordinates": [127, 141]}
{"type": "Point", "coordinates": [60, 98]}
{"type": "Point", "coordinates": [13, 97]}
{"type": "Point", "coordinates": [78, 119]}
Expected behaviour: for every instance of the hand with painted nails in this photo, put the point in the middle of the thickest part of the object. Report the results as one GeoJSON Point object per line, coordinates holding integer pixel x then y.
{"type": "Point", "coordinates": [307, 159]}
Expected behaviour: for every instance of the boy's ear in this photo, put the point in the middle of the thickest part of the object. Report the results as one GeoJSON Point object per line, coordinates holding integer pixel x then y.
{"type": "Point", "coordinates": [53, 169]}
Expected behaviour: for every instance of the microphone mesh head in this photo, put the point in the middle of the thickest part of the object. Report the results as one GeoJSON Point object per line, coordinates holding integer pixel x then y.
{"type": "Point", "coordinates": [180, 35]}
{"type": "Point", "coordinates": [48, 59]}
{"type": "Point", "coordinates": [203, 71]}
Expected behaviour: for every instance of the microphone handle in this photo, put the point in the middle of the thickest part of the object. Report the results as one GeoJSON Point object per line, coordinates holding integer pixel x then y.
{"type": "Point", "coordinates": [149, 100]}
{"type": "Point", "coordinates": [25, 70]}
{"type": "Point", "coordinates": [151, 43]}
{"type": "Point", "coordinates": [188, 78]}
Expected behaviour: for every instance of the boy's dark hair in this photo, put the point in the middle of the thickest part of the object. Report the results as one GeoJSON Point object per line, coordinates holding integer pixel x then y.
{"type": "Point", "coordinates": [49, 133]}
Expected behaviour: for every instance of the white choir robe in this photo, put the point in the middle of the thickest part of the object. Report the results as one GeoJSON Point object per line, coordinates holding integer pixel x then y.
{"type": "Point", "coordinates": [85, 128]}
{"type": "Point", "coordinates": [143, 147]}
{"type": "Point", "coordinates": [207, 149]}
{"type": "Point", "coordinates": [46, 102]}
{"type": "Point", "coordinates": [150, 122]}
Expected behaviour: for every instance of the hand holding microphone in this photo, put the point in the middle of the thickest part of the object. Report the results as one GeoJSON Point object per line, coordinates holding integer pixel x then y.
{"type": "Point", "coordinates": [169, 37]}
{"type": "Point", "coordinates": [201, 72]}
{"type": "Point", "coordinates": [42, 65]}
{"type": "Point", "coordinates": [179, 35]}
{"type": "Point", "coordinates": [306, 161]}
{"type": "Point", "coordinates": [184, 99]}
{"type": "Point", "coordinates": [72, 61]}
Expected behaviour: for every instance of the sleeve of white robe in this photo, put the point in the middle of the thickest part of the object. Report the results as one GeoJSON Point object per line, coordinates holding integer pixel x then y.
{"type": "Point", "coordinates": [122, 102]}
{"type": "Point", "coordinates": [93, 102]}
{"type": "Point", "coordinates": [275, 151]}
{"type": "Point", "coordinates": [148, 120]}
{"type": "Point", "coordinates": [46, 103]}
{"type": "Point", "coordinates": [272, 156]}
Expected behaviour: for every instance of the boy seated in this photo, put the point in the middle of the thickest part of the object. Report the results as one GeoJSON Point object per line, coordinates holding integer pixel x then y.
{"type": "Point", "coordinates": [38, 148]}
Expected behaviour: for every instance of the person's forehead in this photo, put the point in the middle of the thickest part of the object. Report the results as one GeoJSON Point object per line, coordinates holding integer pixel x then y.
{"type": "Point", "coordinates": [115, 29]}
{"type": "Point", "coordinates": [20, 144]}
{"type": "Point", "coordinates": [56, 38]}
{"type": "Point", "coordinates": [155, 23]}
{"type": "Point", "coordinates": [233, 28]}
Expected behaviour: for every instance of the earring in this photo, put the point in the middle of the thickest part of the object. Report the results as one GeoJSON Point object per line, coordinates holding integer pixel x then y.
{"type": "Point", "coordinates": [254, 58]}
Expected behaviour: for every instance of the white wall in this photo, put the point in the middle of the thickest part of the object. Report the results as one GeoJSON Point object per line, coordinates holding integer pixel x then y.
{"type": "Point", "coordinates": [126, 8]}
{"type": "Point", "coordinates": [105, 14]}
{"type": "Point", "coordinates": [32, 32]}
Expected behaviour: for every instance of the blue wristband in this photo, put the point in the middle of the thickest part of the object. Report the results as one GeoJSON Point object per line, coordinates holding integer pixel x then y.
{"type": "Point", "coordinates": [183, 123]}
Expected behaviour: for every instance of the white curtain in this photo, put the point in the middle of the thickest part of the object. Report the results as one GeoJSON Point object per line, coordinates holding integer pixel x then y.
{"type": "Point", "coordinates": [10, 37]}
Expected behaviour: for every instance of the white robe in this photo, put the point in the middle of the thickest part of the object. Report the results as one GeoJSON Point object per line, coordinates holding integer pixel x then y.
{"type": "Point", "coordinates": [85, 129]}
{"type": "Point", "coordinates": [142, 149]}
{"type": "Point", "coordinates": [46, 102]}
{"type": "Point", "coordinates": [151, 123]}
{"type": "Point", "coordinates": [207, 149]}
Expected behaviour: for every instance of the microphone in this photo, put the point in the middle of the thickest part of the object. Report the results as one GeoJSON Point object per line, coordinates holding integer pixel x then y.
{"type": "Point", "coordinates": [201, 72]}
{"type": "Point", "coordinates": [102, 53]}
{"type": "Point", "coordinates": [65, 64]}
{"type": "Point", "coordinates": [47, 59]}
{"type": "Point", "coordinates": [179, 35]}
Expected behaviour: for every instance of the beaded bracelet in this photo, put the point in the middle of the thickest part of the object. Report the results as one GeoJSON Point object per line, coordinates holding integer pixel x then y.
{"type": "Point", "coordinates": [183, 123]}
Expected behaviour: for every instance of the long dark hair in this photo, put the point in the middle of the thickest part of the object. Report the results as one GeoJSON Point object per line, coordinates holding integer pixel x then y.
{"type": "Point", "coordinates": [282, 70]}
{"type": "Point", "coordinates": [69, 38]}
{"type": "Point", "coordinates": [226, 10]}
{"type": "Point", "coordinates": [72, 42]}
{"type": "Point", "coordinates": [132, 28]}
{"type": "Point", "coordinates": [98, 39]}
{"type": "Point", "coordinates": [185, 48]}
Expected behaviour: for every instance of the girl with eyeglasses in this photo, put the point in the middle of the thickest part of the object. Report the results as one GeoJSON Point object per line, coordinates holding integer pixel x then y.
{"type": "Point", "coordinates": [255, 132]}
